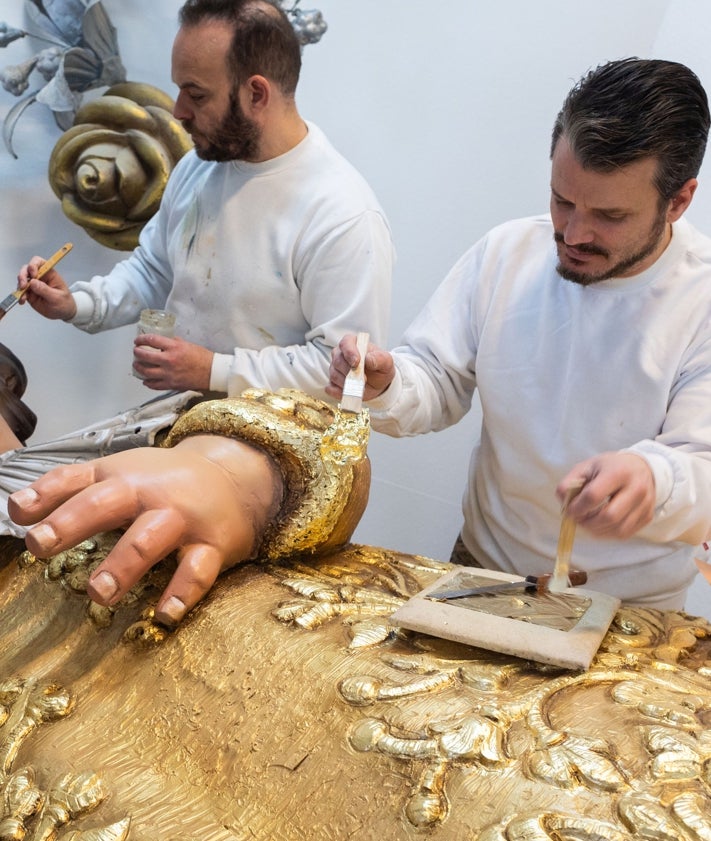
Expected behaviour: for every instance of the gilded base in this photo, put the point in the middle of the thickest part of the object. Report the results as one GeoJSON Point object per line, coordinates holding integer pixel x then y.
{"type": "Point", "coordinates": [286, 707]}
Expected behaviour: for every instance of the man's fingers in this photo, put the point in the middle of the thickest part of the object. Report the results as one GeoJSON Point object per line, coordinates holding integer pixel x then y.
{"type": "Point", "coordinates": [197, 571]}
{"type": "Point", "coordinates": [338, 370]}
{"type": "Point", "coordinates": [156, 385]}
{"type": "Point", "coordinates": [148, 540]}
{"type": "Point", "coordinates": [32, 267]}
{"type": "Point", "coordinates": [620, 515]}
{"type": "Point", "coordinates": [589, 502]}
{"type": "Point", "coordinates": [153, 342]}
{"type": "Point", "coordinates": [340, 367]}
{"type": "Point", "coordinates": [348, 347]}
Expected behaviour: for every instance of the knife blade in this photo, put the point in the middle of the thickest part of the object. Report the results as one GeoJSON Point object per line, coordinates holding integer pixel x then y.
{"type": "Point", "coordinates": [529, 584]}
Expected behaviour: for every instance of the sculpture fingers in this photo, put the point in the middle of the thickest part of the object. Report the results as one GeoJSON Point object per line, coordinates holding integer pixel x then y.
{"type": "Point", "coordinates": [31, 504]}
{"type": "Point", "coordinates": [197, 571]}
{"type": "Point", "coordinates": [152, 536]}
{"type": "Point", "coordinates": [101, 506]}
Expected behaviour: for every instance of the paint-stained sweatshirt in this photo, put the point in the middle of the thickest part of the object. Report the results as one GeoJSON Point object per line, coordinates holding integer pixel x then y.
{"type": "Point", "coordinates": [266, 264]}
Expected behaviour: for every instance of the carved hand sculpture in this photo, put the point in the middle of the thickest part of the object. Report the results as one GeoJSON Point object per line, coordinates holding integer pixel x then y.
{"type": "Point", "coordinates": [264, 475]}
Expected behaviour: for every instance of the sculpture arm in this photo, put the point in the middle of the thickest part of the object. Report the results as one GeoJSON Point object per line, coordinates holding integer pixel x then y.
{"type": "Point", "coordinates": [209, 498]}
{"type": "Point", "coordinates": [265, 475]}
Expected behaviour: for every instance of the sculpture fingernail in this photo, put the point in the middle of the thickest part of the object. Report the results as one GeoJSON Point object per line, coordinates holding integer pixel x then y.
{"type": "Point", "coordinates": [103, 585]}
{"type": "Point", "coordinates": [25, 497]}
{"type": "Point", "coordinates": [171, 611]}
{"type": "Point", "coordinates": [44, 536]}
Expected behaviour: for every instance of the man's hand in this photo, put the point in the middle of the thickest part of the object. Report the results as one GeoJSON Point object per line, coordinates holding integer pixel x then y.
{"type": "Point", "coordinates": [50, 295]}
{"type": "Point", "coordinates": [171, 364]}
{"type": "Point", "coordinates": [208, 497]}
{"type": "Point", "coordinates": [618, 497]}
{"type": "Point", "coordinates": [379, 368]}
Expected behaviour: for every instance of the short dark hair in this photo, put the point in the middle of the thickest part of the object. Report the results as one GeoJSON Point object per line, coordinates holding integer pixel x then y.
{"type": "Point", "coordinates": [631, 109]}
{"type": "Point", "coordinates": [264, 41]}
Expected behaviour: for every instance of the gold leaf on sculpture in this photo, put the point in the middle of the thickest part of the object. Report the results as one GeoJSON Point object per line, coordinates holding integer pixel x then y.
{"type": "Point", "coordinates": [577, 759]}
{"type": "Point", "coordinates": [555, 827]}
{"type": "Point", "coordinates": [691, 810]}
{"type": "Point", "coordinates": [111, 167]}
{"type": "Point", "coordinates": [259, 716]}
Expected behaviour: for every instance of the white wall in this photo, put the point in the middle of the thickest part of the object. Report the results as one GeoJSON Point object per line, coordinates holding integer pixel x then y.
{"type": "Point", "coordinates": [445, 107]}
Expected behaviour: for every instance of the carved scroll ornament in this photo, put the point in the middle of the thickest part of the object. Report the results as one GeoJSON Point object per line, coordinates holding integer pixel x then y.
{"type": "Point", "coordinates": [286, 706]}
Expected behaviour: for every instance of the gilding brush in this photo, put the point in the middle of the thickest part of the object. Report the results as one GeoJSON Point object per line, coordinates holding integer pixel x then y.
{"type": "Point", "coordinates": [559, 580]}
{"type": "Point", "coordinates": [352, 399]}
{"type": "Point", "coordinates": [14, 297]}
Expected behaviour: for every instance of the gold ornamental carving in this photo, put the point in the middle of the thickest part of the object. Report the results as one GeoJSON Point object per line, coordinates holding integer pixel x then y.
{"type": "Point", "coordinates": [321, 453]}
{"type": "Point", "coordinates": [110, 169]}
{"type": "Point", "coordinates": [287, 706]}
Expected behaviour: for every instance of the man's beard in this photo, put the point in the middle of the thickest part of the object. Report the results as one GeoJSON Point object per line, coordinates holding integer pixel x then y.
{"type": "Point", "coordinates": [623, 266]}
{"type": "Point", "coordinates": [235, 139]}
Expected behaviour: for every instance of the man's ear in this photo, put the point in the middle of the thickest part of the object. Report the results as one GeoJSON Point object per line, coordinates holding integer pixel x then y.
{"type": "Point", "coordinates": [256, 95]}
{"type": "Point", "coordinates": [681, 201]}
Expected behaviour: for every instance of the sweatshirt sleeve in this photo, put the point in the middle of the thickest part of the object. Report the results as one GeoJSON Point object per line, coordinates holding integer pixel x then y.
{"type": "Point", "coordinates": [680, 455]}
{"type": "Point", "coordinates": [683, 493]}
{"type": "Point", "coordinates": [141, 281]}
{"type": "Point", "coordinates": [345, 287]}
{"type": "Point", "coordinates": [436, 361]}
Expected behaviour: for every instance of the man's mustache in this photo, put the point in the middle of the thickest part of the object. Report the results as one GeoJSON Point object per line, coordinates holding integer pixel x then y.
{"type": "Point", "coordinates": [584, 247]}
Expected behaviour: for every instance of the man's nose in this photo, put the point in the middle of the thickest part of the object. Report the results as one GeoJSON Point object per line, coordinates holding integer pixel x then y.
{"type": "Point", "coordinates": [577, 229]}
{"type": "Point", "coordinates": [180, 112]}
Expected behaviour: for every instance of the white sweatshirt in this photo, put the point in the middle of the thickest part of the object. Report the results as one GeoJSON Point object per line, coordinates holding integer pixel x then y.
{"type": "Point", "coordinates": [267, 264]}
{"type": "Point", "coordinates": [565, 372]}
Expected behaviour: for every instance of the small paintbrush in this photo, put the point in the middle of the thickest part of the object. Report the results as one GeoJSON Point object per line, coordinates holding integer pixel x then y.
{"type": "Point", "coordinates": [14, 297]}
{"type": "Point", "coordinates": [354, 386]}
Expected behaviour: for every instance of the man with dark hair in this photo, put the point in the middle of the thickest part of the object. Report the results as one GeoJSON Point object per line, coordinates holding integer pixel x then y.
{"type": "Point", "coordinates": [632, 109]}
{"type": "Point", "coordinates": [263, 39]}
{"type": "Point", "coordinates": [267, 246]}
{"type": "Point", "coordinates": [587, 333]}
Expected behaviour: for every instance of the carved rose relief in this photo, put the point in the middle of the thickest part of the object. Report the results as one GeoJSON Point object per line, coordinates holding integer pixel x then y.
{"type": "Point", "coordinates": [111, 167]}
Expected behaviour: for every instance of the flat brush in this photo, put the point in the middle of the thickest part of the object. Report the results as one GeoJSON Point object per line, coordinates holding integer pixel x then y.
{"type": "Point", "coordinates": [352, 399]}
{"type": "Point", "coordinates": [559, 581]}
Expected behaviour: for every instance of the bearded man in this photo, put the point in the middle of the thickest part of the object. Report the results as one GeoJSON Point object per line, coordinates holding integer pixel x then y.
{"type": "Point", "coordinates": [587, 333]}
{"type": "Point", "coordinates": [267, 246]}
